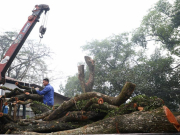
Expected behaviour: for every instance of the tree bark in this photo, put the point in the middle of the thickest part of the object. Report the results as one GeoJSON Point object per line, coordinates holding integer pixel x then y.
{"type": "Point", "coordinates": [87, 87]}
{"type": "Point", "coordinates": [123, 96]}
{"type": "Point", "coordinates": [79, 116]}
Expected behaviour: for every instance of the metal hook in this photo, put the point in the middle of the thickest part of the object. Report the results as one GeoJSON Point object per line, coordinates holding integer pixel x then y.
{"type": "Point", "coordinates": [42, 30]}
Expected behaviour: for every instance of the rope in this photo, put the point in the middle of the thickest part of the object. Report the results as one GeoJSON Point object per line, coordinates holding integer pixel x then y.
{"type": "Point", "coordinates": [43, 20]}
{"type": "Point", "coordinates": [40, 40]}
{"type": "Point", "coordinates": [45, 24]}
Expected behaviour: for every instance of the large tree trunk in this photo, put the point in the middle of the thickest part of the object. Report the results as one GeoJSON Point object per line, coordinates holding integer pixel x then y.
{"type": "Point", "coordinates": [159, 120]}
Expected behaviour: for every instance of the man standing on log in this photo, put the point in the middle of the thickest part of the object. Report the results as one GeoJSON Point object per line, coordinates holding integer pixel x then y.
{"type": "Point", "coordinates": [48, 93]}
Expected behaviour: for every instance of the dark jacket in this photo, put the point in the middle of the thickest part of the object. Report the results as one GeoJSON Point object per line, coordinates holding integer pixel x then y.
{"type": "Point", "coordinates": [48, 93]}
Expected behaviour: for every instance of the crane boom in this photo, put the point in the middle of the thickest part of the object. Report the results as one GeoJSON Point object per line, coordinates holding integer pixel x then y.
{"type": "Point", "coordinates": [20, 39]}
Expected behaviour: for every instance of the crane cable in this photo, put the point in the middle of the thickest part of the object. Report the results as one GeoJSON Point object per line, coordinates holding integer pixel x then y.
{"type": "Point", "coordinates": [42, 28]}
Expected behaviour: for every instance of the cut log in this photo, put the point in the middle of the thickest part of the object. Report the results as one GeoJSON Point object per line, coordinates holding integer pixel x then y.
{"type": "Point", "coordinates": [28, 89]}
{"type": "Point", "coordinates": [123, 96]}
{"type": "Point", "coordinates": [15, 92]}
{"type": "Point", "coordinates": [23, 97]}
{"type": "Point", "coordinates": [156, 121]}
{"type": "Point", "coordinates": [87, 87]}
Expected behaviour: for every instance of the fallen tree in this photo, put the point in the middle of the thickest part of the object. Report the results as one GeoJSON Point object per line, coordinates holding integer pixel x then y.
{"type": "Point", "coordinates": [90, 112]}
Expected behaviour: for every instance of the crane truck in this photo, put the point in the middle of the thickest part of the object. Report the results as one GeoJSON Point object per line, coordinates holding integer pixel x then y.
{"type": "Point", "coordinates": [21, 37]}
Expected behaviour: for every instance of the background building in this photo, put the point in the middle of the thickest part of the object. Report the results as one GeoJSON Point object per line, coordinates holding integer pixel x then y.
{"type": "Point", "coordinates": [10, 83]}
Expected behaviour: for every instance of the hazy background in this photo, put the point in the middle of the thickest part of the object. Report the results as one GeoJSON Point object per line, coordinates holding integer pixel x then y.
{"type": "Point", "coordinates": [73, 23]}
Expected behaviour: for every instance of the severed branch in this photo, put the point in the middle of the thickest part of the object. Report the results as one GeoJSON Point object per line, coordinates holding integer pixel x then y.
{"type": "Point", "coordinates": [120, 99]}
{"type": "Point", "coordinates": [5, 88]}
{"type": "Point", "coordinates": [27, 89]}
{"type": "Point", "coordinates": [25, 97]}
{"type": "Point", "coordinates": [87, 87]}
{"type": "Point", "coordinates": [14, 92]}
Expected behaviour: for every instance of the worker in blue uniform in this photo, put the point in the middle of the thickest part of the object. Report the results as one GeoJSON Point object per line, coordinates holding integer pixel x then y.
{"type": "Point", "coordinates": [48, 93]}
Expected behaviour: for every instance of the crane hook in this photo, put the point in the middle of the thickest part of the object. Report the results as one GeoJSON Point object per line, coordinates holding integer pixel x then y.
{"type": "Point", "coordinates": [42, 30]}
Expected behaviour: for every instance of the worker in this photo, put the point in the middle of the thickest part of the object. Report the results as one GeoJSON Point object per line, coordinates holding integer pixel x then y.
{"type": "Point", "coordinates": [48, 93]}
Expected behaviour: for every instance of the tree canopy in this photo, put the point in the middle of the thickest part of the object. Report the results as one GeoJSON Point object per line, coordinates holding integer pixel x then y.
{"type": "Point", "coordinates": [161, 24]}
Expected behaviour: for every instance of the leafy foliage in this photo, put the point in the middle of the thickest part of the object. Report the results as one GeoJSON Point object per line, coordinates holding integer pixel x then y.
{"type": "Point", "coordinates": [160, 25]}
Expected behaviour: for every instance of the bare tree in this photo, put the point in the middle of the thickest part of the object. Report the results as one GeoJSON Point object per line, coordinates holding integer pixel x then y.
{"type": "Point", "coordinates": [29, 65]}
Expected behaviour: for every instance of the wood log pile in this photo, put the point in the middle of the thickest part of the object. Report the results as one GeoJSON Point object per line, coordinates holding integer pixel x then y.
{"type": "Point", "coordinates": [88, 113]}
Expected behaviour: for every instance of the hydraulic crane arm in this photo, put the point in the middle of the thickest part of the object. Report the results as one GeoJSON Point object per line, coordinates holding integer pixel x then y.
{"type": "Point", "coordinates": [20, 39]}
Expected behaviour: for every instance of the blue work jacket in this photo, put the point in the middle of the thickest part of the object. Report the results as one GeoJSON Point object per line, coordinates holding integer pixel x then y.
{"type": "Point", "coordinates": [48, 93]}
